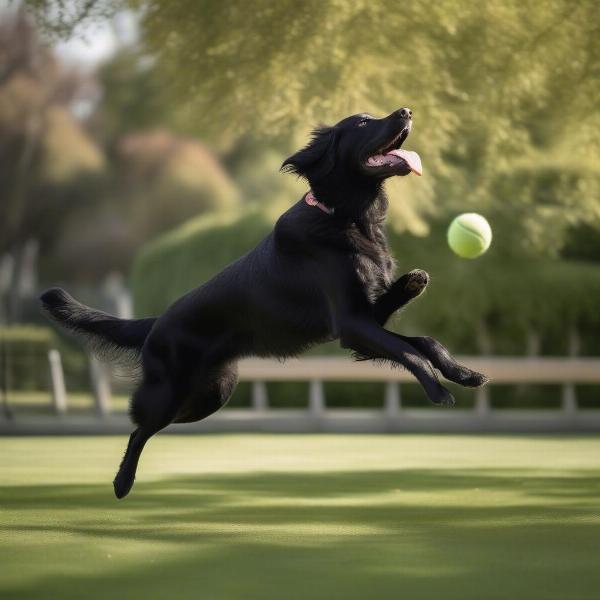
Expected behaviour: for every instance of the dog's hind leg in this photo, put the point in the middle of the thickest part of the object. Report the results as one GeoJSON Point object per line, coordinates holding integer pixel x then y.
{"type": "Point", "coordinates": [208, 391]}
{"type": "Point", "coordinates": [125, 477]}
{"type": "Point", "coordinates": [153, 407]}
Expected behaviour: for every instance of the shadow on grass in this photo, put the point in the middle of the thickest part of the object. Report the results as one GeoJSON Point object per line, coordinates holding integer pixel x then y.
{"type": "Point", "coordinates": [391, 533]}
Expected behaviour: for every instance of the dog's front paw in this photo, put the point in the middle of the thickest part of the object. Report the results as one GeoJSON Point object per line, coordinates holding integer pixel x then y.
{"type": "Point", "coordinates": [416, 281]}
{"type": "Point", "coordinates": [472, 378]}
{"type": "Point", "coordinates": [443, 397]}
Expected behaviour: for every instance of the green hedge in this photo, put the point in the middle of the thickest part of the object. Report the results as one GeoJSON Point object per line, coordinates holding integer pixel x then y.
{"type": "Point", "coordinates": [511, 295]}
{"type": "Point", "coordinates": [24, 356]}
{"type": "Point", "coordinates": [174, 263]}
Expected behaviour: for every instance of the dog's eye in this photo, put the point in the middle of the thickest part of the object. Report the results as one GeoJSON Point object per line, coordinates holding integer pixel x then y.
{"type": "Point", "coordinates": [363, 122]}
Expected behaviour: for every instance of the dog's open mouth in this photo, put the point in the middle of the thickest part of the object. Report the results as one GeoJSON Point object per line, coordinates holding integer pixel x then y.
{"type": "Point", "coordinates": [392, 155]}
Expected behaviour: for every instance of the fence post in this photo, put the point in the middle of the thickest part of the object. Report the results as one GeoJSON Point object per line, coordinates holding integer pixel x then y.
{"type": "Point", "coordinates": [569, 395]}
{"type": "Point", "coordinates": [260, 396]}
{"type": "Point", "coordinates": [316, 397]}
{"type": "Point", "coordinates": [4, 383]}
{"type": "Point", "coordinates": [393, 399]}
{"type": "Point", "coordinates": [533, 347]}
{"type": "Point", "coordinates": [483, 405]}
{"type": "Point", "coordinates": [57, 380]}
{"type": "Point", "coordinates": [100, 386]}
{"type": "Point", "coordinates": [534, 343]}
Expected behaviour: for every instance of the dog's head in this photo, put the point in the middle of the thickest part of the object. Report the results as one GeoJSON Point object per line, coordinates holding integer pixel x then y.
{"type": "Point", "coordinates": [360, 147]}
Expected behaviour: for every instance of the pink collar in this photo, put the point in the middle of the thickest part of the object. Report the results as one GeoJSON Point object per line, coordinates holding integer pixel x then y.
{"type": "Point", "coordinates": [312, 201]}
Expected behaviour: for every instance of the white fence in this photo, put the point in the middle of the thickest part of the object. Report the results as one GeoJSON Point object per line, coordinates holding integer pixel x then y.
{"type": "Point", "coordinates": [566, 372]}
{"type": "Point", "coordinates": [391, 417]}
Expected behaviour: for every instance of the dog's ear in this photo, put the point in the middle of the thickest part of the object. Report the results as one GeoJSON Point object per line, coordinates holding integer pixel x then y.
{"type": "Point", "coordinates": [317, 158]}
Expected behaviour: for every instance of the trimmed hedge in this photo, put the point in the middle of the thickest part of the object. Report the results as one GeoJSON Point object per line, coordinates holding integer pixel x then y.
{"type": "Point", "coordinates": [24, 353]}
{"type": "Point", "coordinates": [24, 356]}
{"type": "Point", "coordinates": [173, 264]}
{"type": "Point", "coordinates": [511, 296]}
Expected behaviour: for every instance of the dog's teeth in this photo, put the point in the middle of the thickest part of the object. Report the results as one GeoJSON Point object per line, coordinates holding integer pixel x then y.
{"type": "Point", "coordinates": [377, 160]}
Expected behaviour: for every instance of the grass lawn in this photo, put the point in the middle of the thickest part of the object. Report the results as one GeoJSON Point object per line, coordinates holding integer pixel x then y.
{"type": "Point", "coordinates": [303, 517]}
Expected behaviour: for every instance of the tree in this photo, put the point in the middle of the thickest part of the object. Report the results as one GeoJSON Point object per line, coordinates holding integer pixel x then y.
{"type": "Point", "coordinates": [44, 152]}
{"type": "Point", "coordinates": [505, 93]}
{"type": "Point", "coordinates": [133, 98]}
{"type": "Point", "coordinates": [156, 181]}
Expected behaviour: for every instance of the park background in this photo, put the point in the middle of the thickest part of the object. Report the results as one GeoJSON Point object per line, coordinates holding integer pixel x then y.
{"type": "Point", "coordinates": [140, 143]}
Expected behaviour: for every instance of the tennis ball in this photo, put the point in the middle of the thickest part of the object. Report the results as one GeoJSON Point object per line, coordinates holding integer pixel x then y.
{"type": "Point", "coordinates": [469, 235]}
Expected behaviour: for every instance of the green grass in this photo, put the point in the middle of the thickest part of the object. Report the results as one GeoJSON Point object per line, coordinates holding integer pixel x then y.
{"type": "Point", "coordinates": [303, 517]}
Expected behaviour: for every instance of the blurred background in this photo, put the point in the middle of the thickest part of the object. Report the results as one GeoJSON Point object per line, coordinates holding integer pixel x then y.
{"type": "Point", "coordinates": [140, 143]}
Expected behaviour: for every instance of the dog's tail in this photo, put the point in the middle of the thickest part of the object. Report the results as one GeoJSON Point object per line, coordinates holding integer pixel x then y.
{"type": "Point", "coordinates": [109, 338]}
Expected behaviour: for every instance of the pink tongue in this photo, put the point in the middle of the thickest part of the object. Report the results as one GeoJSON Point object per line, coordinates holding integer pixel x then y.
{"type": "Point", "coordinates": [412, 159]}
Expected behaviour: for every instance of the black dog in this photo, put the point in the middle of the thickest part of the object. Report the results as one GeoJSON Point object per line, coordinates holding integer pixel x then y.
{"type": "Point", "coordinates": [324, 273]}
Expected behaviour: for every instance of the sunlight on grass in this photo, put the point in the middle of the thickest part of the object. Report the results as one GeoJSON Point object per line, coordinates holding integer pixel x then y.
{"type": "Point", "coordinates": [234, 516]}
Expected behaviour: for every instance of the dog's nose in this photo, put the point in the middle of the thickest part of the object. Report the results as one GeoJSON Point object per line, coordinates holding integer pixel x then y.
{"type": "Point", "coordinates": [405, 113]}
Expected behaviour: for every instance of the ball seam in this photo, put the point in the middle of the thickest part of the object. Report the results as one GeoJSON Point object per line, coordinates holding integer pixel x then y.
{"type": "Point", "coordinates": [474, 233]}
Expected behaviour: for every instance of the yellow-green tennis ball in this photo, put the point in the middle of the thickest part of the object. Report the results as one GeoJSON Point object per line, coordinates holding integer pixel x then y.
{"type": "Point", "coordinates": [469, 235]}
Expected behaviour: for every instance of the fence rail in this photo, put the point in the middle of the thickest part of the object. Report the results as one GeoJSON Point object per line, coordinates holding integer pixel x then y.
{"type": "Point", "coordinates": [516, 369]}
{"type": "Point", "coordinates": [566, 372]}
{"type": "Point", "coordinates": [501, 370]}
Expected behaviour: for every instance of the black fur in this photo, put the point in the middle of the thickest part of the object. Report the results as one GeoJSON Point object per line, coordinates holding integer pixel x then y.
{"type": "Point", "coordinates": [115, 340]}
{"type": "Point", "coordinates": [316, 277]}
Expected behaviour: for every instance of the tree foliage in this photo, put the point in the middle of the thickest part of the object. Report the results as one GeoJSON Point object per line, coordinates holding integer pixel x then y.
{"type": "Point", "coordinates": [45, 153]}
{"type": "Point", "coordinates": [505, 93]}
{"type": "Point", "coordinates": [88, 194]}
{"type": "Point", "coordinates": [42, 146]}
